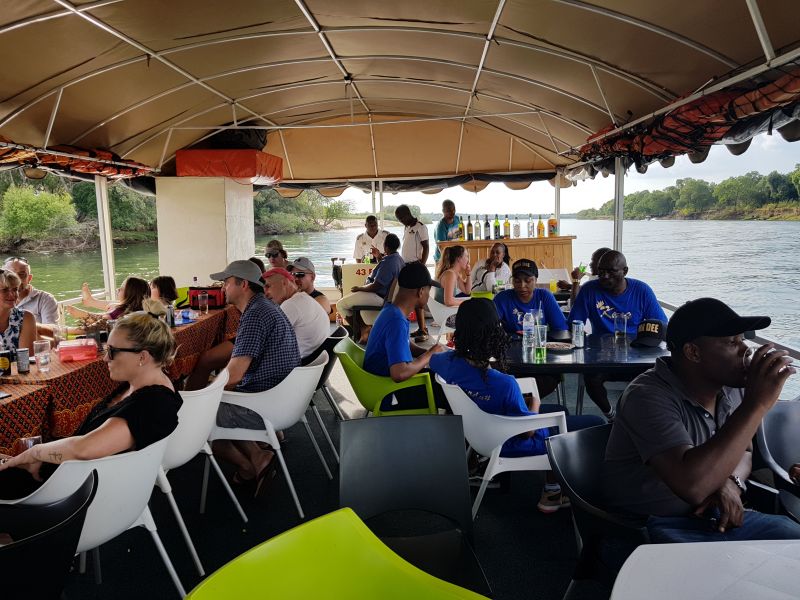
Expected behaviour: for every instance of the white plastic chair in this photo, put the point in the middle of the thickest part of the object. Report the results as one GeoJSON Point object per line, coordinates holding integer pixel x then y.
{"type": "Point", "coordinates": [125, 482]}
{"type": "Point", "coordinates": [195, 420]}
{"type": "Point", "coordinates": [440, 313]}
{"type": "Point", "coordinates": [280, 408]}
{"type": "Point", "coordinates": [486, 433]}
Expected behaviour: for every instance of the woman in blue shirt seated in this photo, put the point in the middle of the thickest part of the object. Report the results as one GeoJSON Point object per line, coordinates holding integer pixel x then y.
{"type": "Point", "coordinates": [513, 304]}
{"type": "Point", "coordinates": [479, 338]}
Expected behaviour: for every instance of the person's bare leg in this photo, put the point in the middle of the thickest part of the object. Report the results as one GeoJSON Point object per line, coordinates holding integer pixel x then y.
{"type": "Point", "coordinates": [597, 392]}
{"type": "Point", "coordinates": [211, 360]}
{"type": "Point", "coordinates": [256, 456]}
{"type": "Point", "coordinates": [229, 452]}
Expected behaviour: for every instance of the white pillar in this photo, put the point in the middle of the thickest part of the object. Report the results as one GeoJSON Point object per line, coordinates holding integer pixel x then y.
{"type": "Point", "coordinates": [372, 185]}
{"type": "Point", "coordinates": [557, 210]}
{"type": "Point", "coordinates": [106, 241]}
{"type": "Point", "coordinates": [203, 224]}
{"type": "Point", "coordinates": [380, 188]}
{"type": "Point", "coordinates": [619, 200]}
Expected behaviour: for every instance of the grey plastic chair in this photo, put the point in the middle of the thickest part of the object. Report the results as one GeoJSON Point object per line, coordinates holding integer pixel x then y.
{"type": "Point", "coordinates": [414, 463]}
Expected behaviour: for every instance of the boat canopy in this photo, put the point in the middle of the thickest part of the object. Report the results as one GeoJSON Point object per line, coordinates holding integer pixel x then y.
{"type": "Point", "coordinates": [418, 94]}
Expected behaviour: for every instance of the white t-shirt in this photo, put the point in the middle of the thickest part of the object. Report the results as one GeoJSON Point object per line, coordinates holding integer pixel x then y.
{"type": "Point", "coordinates": [309, 321]}
{"type": "Point", "coordinates": [364, 244]}
{"type": "Point", "coordinates": [484, 280]}
{"type": "Point", "coordinates": [412, 241]}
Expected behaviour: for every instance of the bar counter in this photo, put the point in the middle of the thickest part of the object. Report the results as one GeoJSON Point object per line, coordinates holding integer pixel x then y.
{"type": "Point", "coordinates": [548, 252]}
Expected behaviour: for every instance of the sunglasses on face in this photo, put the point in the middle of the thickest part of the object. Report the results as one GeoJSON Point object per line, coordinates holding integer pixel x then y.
{"type": "Point", "coordinates": [112, 352]}
{"type": "Point", "coordinates": [299, 275]}
{"type": "Point", "coordinates": [16, 258]}
{"type": "Point", "coordinates": [272, 254]}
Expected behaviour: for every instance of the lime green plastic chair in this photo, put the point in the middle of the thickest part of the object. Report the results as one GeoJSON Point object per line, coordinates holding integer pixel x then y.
{"type": "Point", "coordinates": [371, 389]}
{"type": "Point", "coordinates": [335, 557]}
{"type": "Point", "coordinates": [487, 295]}
{"type": "Point", "coordinates": [183, 297]}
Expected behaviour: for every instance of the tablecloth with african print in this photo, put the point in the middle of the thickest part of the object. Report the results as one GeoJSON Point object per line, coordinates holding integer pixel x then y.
{"type": "Point", "coordinates": [23, 414]}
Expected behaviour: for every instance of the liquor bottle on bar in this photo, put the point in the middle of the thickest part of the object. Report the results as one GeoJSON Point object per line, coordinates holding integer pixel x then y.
{"type": "Point", "coordinates": [516, 227]}
{"type": "Point", "coordinates": [540, 228]}
{"type": "Point", "coordinates": [487, 229]}
{"type": "Point", "coordinates": [469, 228]}
{"type": "Point", "coordinates": [477, 225]}
{"type": "Point", "coordinates": [498, 235]}
{"type": "Point", "coordinates": [531, 228]}
{"type": "Point", "coordinates": [506, 228]}
{"type": "Point", "coordinates": [552, 226]}
{"type": "Point", "coordinates": [460, 230]}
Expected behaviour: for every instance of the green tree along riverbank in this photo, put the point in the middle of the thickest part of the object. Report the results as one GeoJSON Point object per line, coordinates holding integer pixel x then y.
{"type": "Point", "coordinates": [751, 196]}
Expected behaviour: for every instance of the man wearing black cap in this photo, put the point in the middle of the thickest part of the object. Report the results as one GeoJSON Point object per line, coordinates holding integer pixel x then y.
{"type": "Point", "coordinates": [389, 352]}
{"type": "Point", "coordinates": [679, 450]}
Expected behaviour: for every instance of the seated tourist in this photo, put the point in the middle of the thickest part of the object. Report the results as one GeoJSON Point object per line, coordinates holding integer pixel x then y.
{"type": "Point", "coordinates": [680, 449]}
{"type": "Point", "coordinates": [370, 243]}
{"type": "Point", "coordinates": [258, 262]}
{"type": "Point", "coordinates": [378, 284]}
{"type": "Point", "coordinates": [41, 305]}
{"type": "Point", "coordinates": [129, 299]}
{"type": "Point", "coordinates": [17, 326]}
{"type": "Point", "coordinates": [263, 355]}
{"type": "Point", "coordinates": [278, 259]}
{"type": "Point", "coordinates": [610, 294]}
{"type": "Point", "coordinates": [309, 320]}
{"type": "Point", "coordinates": [479, 339]}
{"type": "Point", "coordinates": [163, 289]}
{"type": "Point", "coordinates": [486, 273]}
{"type": "Point", "coordinates": [580, 277]}
{"type": "Point", "coordinates": [304, 276]}
{"type": "Point", "coordinates": [453, 276]}
{"type": "Point", "coordinates": [389, 352]}
{"type": "Point", "coordinates": [142, 411]}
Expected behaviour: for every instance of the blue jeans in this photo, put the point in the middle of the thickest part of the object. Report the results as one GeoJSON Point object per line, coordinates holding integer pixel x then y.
{"type": "Point", "coordinates": [574, 422]}
{"type": "Point", "coordinates": [756, 526]}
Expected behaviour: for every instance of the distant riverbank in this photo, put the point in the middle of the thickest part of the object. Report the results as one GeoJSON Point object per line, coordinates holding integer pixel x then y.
{"type": "Point", "coordinates": [769, 212]}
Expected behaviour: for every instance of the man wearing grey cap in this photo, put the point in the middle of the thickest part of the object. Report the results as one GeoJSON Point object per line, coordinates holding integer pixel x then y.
{"type": "Point", "coordinates": [680, 449]}
{"type": "Point", "coordinates": [264, 353]}
{"type": "Point", "coordinates": [304, 276]}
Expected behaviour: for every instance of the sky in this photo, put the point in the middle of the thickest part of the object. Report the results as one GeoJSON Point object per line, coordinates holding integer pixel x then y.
{"type": "Point", "coordinates": [766, 154]}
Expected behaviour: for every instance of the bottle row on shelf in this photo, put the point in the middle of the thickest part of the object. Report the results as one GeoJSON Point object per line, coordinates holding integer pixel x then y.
{"type": "Point", "coordinates": [495, 231]}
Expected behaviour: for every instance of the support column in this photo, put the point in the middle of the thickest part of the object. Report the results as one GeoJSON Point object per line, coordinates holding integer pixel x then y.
{"type": "Point", "coordinates": [619, 202]}
{"type": "Point", "coordinates": [380, 188]}
{"type": "Point", "coordinates": [372, 185]}
{"type": "Point", "coordinates": [557, 209]}
{"type": "Point", "coordinates": [203, 224]}
{"type": "Point", "coordinates": [106, 241]}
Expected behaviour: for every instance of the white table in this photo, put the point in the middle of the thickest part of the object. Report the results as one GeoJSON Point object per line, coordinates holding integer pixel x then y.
{"type": "Point", "coordinates": [766, 570]}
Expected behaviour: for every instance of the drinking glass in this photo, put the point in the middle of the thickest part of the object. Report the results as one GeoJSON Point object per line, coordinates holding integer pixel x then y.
{"type": "Point", "coordinates": [540, 343]}
{"type": "Point", "coordinates": [553, 285]}
{"type": "Point", "coordinates": [620, 325]}
{"type": "Point", "coordinates": [41, 351]}
{"type": "Point", "coordinates": [202, 302]}
{"type": "Point", "coordinates": [747, 358]}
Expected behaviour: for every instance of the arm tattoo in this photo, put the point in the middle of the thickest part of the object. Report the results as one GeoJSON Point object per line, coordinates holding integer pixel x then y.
{"type": "Point", "coordinates": [55, 457]}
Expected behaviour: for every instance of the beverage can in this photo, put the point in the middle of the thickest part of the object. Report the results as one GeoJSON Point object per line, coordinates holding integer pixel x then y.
{"type": "Point", "coordinates": [5, 362]}
{"type": "Point", "coordinates": [23, 361]}
{"type": "Point", "coordinates": [577, 334]}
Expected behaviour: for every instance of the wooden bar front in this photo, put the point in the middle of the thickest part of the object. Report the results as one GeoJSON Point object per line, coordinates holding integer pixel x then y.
{"type": "Point", "coordinates": [548, 252]}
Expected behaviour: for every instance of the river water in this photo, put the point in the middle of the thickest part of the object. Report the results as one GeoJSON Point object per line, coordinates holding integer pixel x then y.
{"type": "Point", "coordinates": [751, 265]}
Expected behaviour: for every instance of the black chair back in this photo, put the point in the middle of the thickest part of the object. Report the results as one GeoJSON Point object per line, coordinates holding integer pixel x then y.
{"type": "Point", "coordinates": [45, 538]}
{"type": "Point", "coordinates": [327, 346]}
{"type": "Point", "coordinates": [414, 462]}
{"type": "Point", "coordinates": [777, 440]}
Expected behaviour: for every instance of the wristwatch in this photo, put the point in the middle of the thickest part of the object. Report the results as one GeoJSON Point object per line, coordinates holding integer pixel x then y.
{"type": "Point", "coordinates": [739, 483]}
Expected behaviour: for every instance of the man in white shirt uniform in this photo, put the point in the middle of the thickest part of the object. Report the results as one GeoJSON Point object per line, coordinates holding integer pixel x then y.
{"type": "Point", "coordinates": [416, 248]}
{"type": "Point", "coordinates": [372, 239]}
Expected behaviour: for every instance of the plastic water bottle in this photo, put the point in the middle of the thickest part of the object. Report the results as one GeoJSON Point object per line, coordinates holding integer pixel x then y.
{"type": "Point", "coordinates": [528, 325]}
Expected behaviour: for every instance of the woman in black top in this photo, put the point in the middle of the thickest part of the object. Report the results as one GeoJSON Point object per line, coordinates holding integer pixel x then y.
{"type": "Point", "coordinates": [142, 411]}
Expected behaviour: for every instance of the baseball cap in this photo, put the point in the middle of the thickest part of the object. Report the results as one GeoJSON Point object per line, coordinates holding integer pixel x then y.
{"type": "Point", "coordinates": [278, 271]}
{"type": "Point", "coordinates": [243, 269]}
{"type": "Point", "coordinates": [524, 267]}
{"type": "Point", "coordinates": [476, 310]}
{"type": "Point", "coordinates": [650, 333]}
{"type": "Point", "coordinates": [708, 317]}
{"type": "Point", "coordinates": [303, 264]}
{"type": "Point", "coordinates": [415, 275]}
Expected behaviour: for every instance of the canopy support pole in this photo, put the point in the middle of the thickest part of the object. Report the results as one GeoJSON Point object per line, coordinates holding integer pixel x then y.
{"type": "Point", "coordinates": [557, 209]}
{"type": "Point", "coordinates": [106, 241]}
{"type": "Point", "coordinates": [380, 193]}
{"type": "Point", "coordinates": [619, 200]}
{"type": "Point", "coordinates": [372, 185]}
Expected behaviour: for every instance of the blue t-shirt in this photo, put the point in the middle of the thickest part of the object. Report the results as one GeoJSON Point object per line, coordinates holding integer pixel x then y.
{"type": "Point", "coordinates": [388, 342]}
{"type": "Point", "coordinates": [386, 271]}
{"type": "Point", "coordinates": [594, 303]}
{"type": "Point", "coordinates": [498, 394]}
{"type": "Point", "coordinates": [441, 234]}
{"type": "Point", "coordinates": [512, 310]}
{"type": "Point", "coordinates": [267, 337]}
